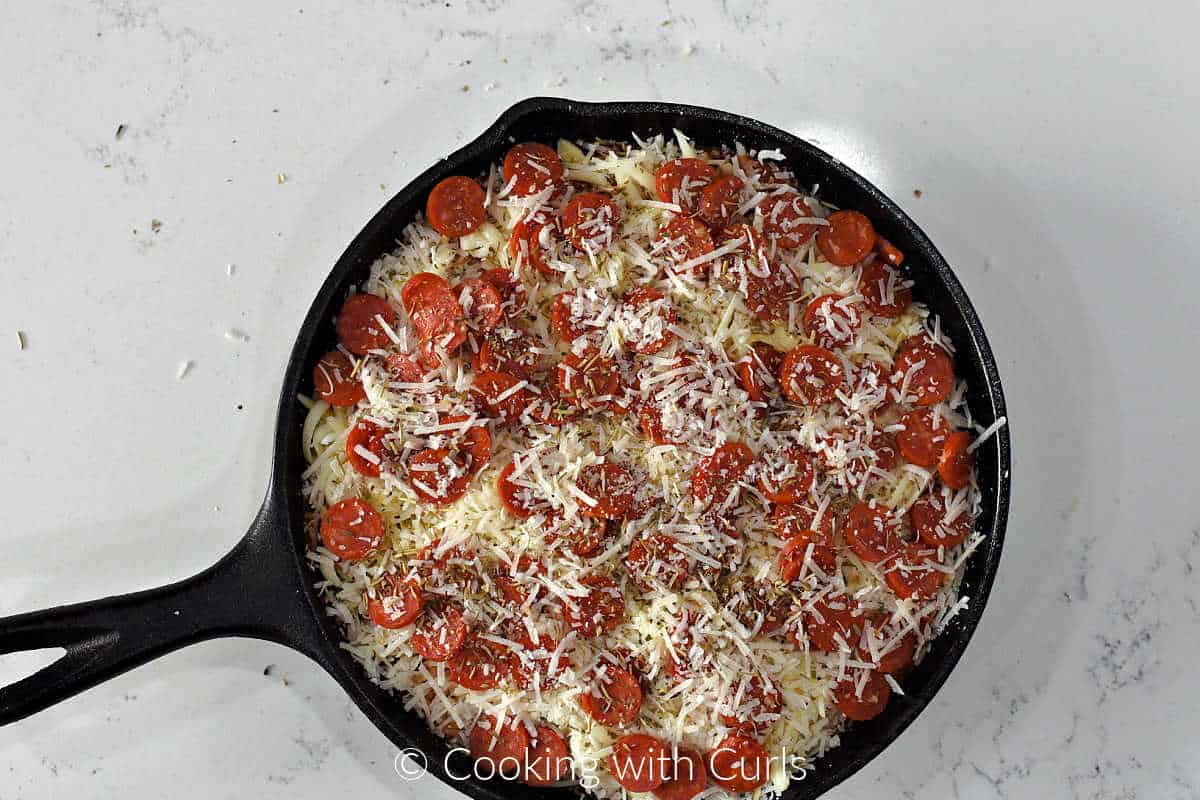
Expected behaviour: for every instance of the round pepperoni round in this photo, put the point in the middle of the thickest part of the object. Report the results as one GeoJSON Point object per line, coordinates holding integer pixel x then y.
{"type": "Point", "coordinates": [956, 464]}
{"type": "Point", "coordinates": [767, 174]}
{"type": "Point", "coordinates": [590, 221]}
{"type": "Point", "coordinates": [757, 371]}
{"type": "Point", "coordinates": [434, 310]}
{"type": "Point", "coordinates": [753, 705]}
{"type": "Point", "coordinates": [785, 475]}
{"type": "Point", "coordinates": [739, 764]}
{"type": "Point", "coordinates": [396, 603]}
{"type": "Point", "coordinates": [369, 437]}
{"type": "Point", "coordinates": [441, 475]}
{"type": "Point", "coordinates": [609, 486]}
{"type": "Point", "coordinates": [549, 408]}
{"type": "Point", "coordinates": [512, 578]}
{"type": "Point", "coordinates": [502, 394]}
{"type": "Point", "coordinates": [412, 367]}
{"type": "Point", "coordinates": [720, 473]}
{"type": "Point", "coordinates": [924, 370]}
{"type": "Point", "coordinates": [479, 665]}
{"type": "Point", "coordinates": [651, 422]}
{"type": "Point", "coordinates": [639, 762]}
{"type": "Point", "coordinates": [930, 520]}
{"type": "Point", "coordinates": [549, 758]}
{"type": "Point", "coordinates": [525, 246]}
{"type": "Point", "coordinates": [587, 379]}
{"type": "Point", "coordinates": [647, 317]}
{"type": "Point", "coordinates": [831, 622]}
{"type": "Point", "coordinates": [923, 438]}
{"type": "Point", "coordinates": [362, 323]}
{"type": "Point", "coordinates": [510, 350]}
{"type": "Point", "coordinates": [783, 217]}
{"type": "Point", "coordinates": [599, 611]}
{"type": "Point", "coordinates": [865, 706]}
{"type": "Point", "coordinates": [584, 536]}
{"type": "Point", "coordinates": [884, 290]}
{"type": "Point", "coordinates": [794, 552]}
{"type": "Point", "coordinates": [687, 777]}
{"type": "Point", "coordinates": [847, 239]}
{"type": "Point", "coordinates": [899, 654]}
{"type": "Point", "coordinates": [871, 531]}
{"type": "Point", "coordinates": [564, 319]}
{"type": "Point", "coordinates": [504, 750]}
{"type": "Point", "coordinates": [480, 302]}
{"type": "Point", "coordinates": [887, 252]}
{"type": "Point", "coordinates": [793, 519]}
{"type": "Point", "coordinates": [508, 285]}
{"type": "Point", "coordinates": [870, 388]}
{"type": "Point", "coordinates": [832, 320]}
{"type": "Point", "coordinates": [531, 167]}
{"type": "Point", "coordinates": [811, 375]}
{"type": "Point", "coordinates": [455, 207]}
{"type": "Point", "coordinates": [335, 380]}
{"type": "Point", "coordinates": [771, 297]}
{"type": "Point", "coordinates": [440, 633]}
{"type": "Point", "coordinates": [615, 699]}
{"type": "Point", "coordinates": [913, 574]}
{"type": "Point", "coordinates": [517, 499]}
{"type": "Point", "coordinates": [351, 529]}
{"type": "Point", "coordinates": [719, 200]}
{"type": "Point", "coordinates": [683, 240]}
{"type": "Point", "coordinates": [681, 180]}
{"type": "Point", "coordinates": [655, 560]}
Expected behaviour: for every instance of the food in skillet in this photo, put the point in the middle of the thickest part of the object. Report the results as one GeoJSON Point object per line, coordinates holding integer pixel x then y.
{"type": "Point", "coordinates": [637, 465]}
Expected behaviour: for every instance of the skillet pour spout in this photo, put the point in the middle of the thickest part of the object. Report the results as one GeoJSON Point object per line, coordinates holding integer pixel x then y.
{"type": "Point", "coordinates": [264, 589]}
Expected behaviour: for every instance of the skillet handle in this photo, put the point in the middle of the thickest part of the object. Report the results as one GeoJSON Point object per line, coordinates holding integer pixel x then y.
{"type": "Point", "coordinates": [253, 591]}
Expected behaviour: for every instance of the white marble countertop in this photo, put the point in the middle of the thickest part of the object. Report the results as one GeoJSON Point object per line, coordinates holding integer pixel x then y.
{"type": "Point", "coordinates": [1054, 146]}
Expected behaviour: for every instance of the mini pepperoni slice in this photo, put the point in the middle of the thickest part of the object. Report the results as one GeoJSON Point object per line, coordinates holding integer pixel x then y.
{"type": "Point", "coordinates": [525, 244]}
{"type": "Point", "coordinates": [770, 297]}
{"type": "Point", "coordinates": [587, 379]}
{"type": "Point", "coordinates": [930, 520]}
{"type": "Point", "coordinates": [923, 438]}
{"type": "Point", "coordinates": [549, 758]}
{"type": "Point", "coordinates": [912, 572]}
{"type": "Point", "coordinates": [440, 633]}
{"type": "Point", "coordinates": [351, 529]}
{"type": "Point", "coordinates": [359, 326]}
{"type": "Point", "coordinates": [639, 762]}
{"type": "Point", "coordinates": [648, 317]}
{"type": "Point", "coordinates": [868, 705]}
{"type": "Point", "coordinates": [811, 375]}
{"type": "Point", "coordinates": [681, 180]}
{"type": "Point", "coordinates": [480, 303]}
{"type": "Point", "coordinates": [794, 552]}
{"type": "Point", "coordinates": [509, 578]}
{"type": "Point", "coordinates": [739, 764]}
{"type": "Point", "coordinates": [885, 291]}
{"type": "Point", "coordinates": [871, 531]}
{"type": "Point", "coordinates": [719, 200]}
{"type": "Point", "coordinates": [831, 622]}
{"type": "Point", "coordinates": [336, 381]}
{"type": "Point", "coordinates": [502, 394]}
{"type": "Point", "coordinates": [599, 611]}
{"type": "Point", "coordinates": [478, 666]}
{"type": "Point", "coordinates": [508, 285]}
{"type": "Point", "coordinates": [396, 603]}
{"type": "Point", "coordinates": [412, 367]}
{"type": "Point", "coordinates": [758, 371]}
{"type": "Point", "coordinates": [590, 221]}
{"type": "Point", "coordinates": [955, 463]}
{"type": "Point", "coordinates": [687, 777]}
{"type": "Point", "coordinates": [924, 370]}
{"type": "Point", "coordinates": [549, 408]}
{"type": "Point", "coordinates": [899, 653]}
{"type": "Point", "coordinates": [515, 498]}
{"type": "Point", "coordinates": [847, 239]}
{"type": "Point", "coordinates": [651, 422]}
{"type": "Point", "coordinates": [683, 240]}
{"type": "Point", "coordinates": [785, 475]}
{"type": "Point", "coordinates": [888, 252]}
{"type": "Point", "coordinates": [783, 218]}
{"type": "Point", "coordinates": [753, 705]}
{"type": "Point", "coordinates": [614, 699]}
{"type": "Point", "coordinates": [504, 750]}
{"type": "Point", "coordinates": [793, 519]}
{"type": "Point", "coordinates": [511, 350]}
{"type": "Point", "coordinates": [720, 472]}
{"type": "Point", "coordinates": [531, 167]}
{"type": "Point", "coordinates": [455, 207]}
{"type": "Point", "coordinates": [832, 320]}
{"type": "Point", "coordinates": [369, 437]}
{"type": "Point", "coordinates": [766, 173]}
{"type": "Point", "coordinates": [583, 536]}
{"type": "Point", "coordinates": [870, 388]}
{"type": "Point", "coordinates": [563, 319]}
{"type": "Point", "coordinates": [655, 560]}
{"type": "Point", "coordinates": [441, 475]}
{"type": "Point", "coordinates": [434, 310]}
{"type": "Point", "coordinates": [610, 486]}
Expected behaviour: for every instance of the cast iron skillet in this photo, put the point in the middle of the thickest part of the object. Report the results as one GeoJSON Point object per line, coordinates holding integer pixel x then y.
{"type": "Point", "coordinates": [263, 589]}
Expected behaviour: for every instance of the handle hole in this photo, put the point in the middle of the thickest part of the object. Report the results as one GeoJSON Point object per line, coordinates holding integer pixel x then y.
{"type": "Point", "coordinates": [17, 666]}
